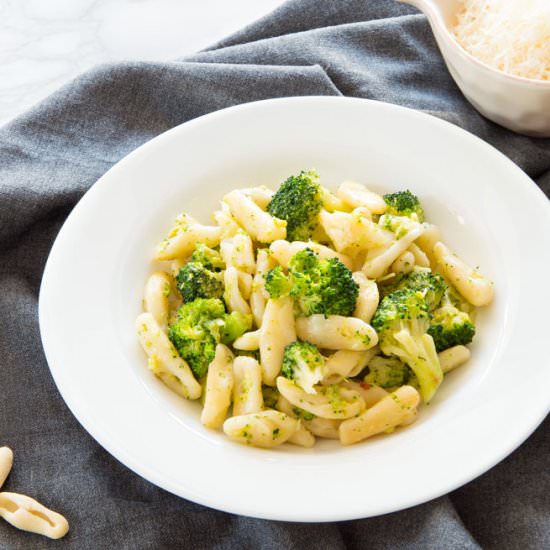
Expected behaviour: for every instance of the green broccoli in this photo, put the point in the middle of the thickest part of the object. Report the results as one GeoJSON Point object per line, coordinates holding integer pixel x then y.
{"type": "Point", "coordinates": [404, 203]}
{"type": "Point", "coordinates": [198, 328]}
{"type": "Point", "coordinates": [422, 279]}
{"type": "Point", "coordinates": [387, 372]}
{"type": "Point", "coordinates": [235, 324]}
{"type": "Point", "coordinates": [277, 283]}
{"type": "Point", "coordinates": [451, 327]}
{"type": "Point", "coordinates": [196, 281]}
{"type": "Point", "coordinates": [390, 284]}
{"type": "Point", "coordinates": [402, 320]}
{"type": "Point", "coordinates": [303, 363]}
{"type": "Point", "coordinates": [317, 285]}
{"type": "Point", "coordinates": [208, 257]}
{"type": "Point", "coordinates": [298, 201]}
{"type": "Point", "coordinates": [322, 286]}
{"type": "Point", "coordinates": [200, 277]}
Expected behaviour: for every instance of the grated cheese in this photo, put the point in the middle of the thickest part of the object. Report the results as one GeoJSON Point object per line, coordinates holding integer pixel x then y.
{"type": "Point", "coordinates": [510, 35]}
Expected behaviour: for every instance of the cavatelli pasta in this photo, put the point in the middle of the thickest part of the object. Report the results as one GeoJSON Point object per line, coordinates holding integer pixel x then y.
{"type": "Point", "coordinates": [243, 316]}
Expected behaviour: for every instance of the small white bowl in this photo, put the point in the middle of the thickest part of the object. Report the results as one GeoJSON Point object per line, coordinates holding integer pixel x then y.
{"type": "Point", "coordinates": [520, 104]}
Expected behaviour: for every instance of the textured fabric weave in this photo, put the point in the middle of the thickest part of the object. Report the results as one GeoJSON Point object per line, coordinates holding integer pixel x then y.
{"type": "Point", "coordinates": [375, 49]}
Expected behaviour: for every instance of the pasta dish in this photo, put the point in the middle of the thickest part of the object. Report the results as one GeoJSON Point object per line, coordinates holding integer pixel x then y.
{"type": "Point", "coordinates": [302, 313]}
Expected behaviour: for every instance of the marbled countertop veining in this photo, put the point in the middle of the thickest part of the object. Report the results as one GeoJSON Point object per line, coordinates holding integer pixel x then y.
{"type": "Point", "coordinates": [45, 43]}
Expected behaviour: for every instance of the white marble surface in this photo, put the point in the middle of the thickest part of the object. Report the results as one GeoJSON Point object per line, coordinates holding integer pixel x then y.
{"type": "Point", "coordinates": [45, 43]}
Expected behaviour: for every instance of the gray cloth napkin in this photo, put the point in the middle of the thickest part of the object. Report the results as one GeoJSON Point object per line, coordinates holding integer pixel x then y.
{"type": "Point", "coordinates": [49, 157]}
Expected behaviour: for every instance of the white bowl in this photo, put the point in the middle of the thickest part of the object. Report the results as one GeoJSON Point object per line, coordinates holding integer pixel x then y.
{"type": "Point", "coordinates": [489, 211]}
{"type": "Point", "coordinates": [520, 104]}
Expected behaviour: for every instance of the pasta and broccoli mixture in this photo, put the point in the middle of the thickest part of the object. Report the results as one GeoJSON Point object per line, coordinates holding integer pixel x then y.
{"type": "Point", "coordinates": [301, 313]}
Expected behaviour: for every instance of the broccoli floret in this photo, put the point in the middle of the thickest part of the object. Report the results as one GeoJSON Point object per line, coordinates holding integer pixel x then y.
{"type": "Point", "coordinates": [303, 363]}
{"type": "Point", "coordinates": [404, 203]}
{"type": "Point", "coordinates": [298, 201]}
{"type": "Point", "coordinates": [277, 283]}
{"type": "Point", "coordinates": [389, 285]}
{"type": "Point", "coordinates": [317, 285]}
{"type": "Point", "coordinates": [387, 372]}
{"type": "Point", "coordinates": [322, 286]}
{"type": "Point", "coordinates": [196, 332]}
{"type": "Point", "coordinates": [209, 258]}
{"type": "Point", "coordinates": [200, 277]}
{"type": "Point", "coordinates": [432, 285]}
{"type": "Point", "coordinates": [451, 327]}
{"type": "Point", "coordinates": [235, 324]}
{"type": "Point", "coordinates": [196, 281]}
{"type": "Point", "coordinates": [199, 326]}
{"type": "Point", "coordinates": [402, 320]}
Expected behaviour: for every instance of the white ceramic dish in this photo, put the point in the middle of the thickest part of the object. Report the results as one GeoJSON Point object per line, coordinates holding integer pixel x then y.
{"type": "Point", "coordinates": [490, 213]}
{"type": "Point", "coordinates": [520, 104]}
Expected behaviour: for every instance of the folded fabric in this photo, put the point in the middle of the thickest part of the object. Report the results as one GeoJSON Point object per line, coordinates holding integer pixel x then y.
{"type": "Point", "coordinates": [50, 156]}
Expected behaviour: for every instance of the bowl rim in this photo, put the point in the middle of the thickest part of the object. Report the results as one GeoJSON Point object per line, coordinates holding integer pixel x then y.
{"type": "Point", "coordinates": [152, 475]}
{"type": "Point", "coordinates": [433, 14]}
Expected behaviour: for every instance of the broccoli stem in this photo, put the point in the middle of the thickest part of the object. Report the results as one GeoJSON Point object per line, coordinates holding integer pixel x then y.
{"type": "Point", "coordinates": [420, 354]}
